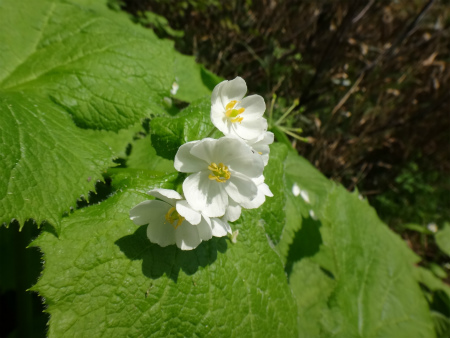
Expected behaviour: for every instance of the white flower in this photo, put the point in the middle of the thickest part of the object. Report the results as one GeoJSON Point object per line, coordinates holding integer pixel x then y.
{"type": "Point", "coordinates": [221, 168]}
{"type": "Point", "coordinates": [262, 146]}
{"type": "Point", "coordinates": [233, 114]}
{"type": "Point", "coordinates": [171, 221]}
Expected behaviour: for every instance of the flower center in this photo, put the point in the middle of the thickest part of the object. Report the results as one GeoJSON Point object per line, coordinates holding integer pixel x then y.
{"type": "Point", "coordinates": [219, 173]}
{"type": "Point", "coordinates": [233, 114]}
{"type": "Point", "coordinates": [173, 216]}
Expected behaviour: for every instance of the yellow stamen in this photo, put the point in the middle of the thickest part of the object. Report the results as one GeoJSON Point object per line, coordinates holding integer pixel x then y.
{"type": "Point", "coordinates": [232, 113]}
{"type": "Point", "coordinates": [220, 173]}
{"type": "Point", "coordinates": [172, 216]}
{"type": "Point", "coordinates": [230, 105]}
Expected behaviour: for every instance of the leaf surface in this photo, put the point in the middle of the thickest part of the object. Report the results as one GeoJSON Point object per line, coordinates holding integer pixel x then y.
{"type": "Point", "coordinates": [191, 124]}
{"type": "Point", "coordinates": [64, 63]}
{"type": "Point", "coordinates": [46, 161]}
{"type": "Point", "coordinates": [103, 278]}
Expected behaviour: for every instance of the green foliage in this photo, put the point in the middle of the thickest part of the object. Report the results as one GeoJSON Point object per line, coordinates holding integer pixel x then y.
{"type": "Point", "coordinates": [68, 69]}
{"type": "Point", "coordinates": [313, 261]}
{"type": "Point", "coordinates": [60, 67]}
{"type": "Point", "coordinates": [364, 271]}
{"type": "Point", "coordinates": [136, 288]}
{"type": "Point", "coordinates": [418, 196]}
{"type": "Point", "coordinates": [193, 123]}
{"type": "Point", "coordinates": [194, 80]}
{"type": "Point", "coordinates": [43, 171]}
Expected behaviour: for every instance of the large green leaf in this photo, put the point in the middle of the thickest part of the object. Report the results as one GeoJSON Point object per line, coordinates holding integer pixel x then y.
{"type": "Point", "coordinates": [272, 211]}
{"type": "Point", "coordinates": [351, 275]}
{"type": "Point", "coordinates": [376, 294]}
{"type": "Point", "coordinates": [63, 63]}
{"type": "Point", "coordinates": [143, 156]}
{"type": "Point", "coordinates": [106, 74]}
{"type": "Point", "coordinates": [46, 161]}
{"type": "Point", "coordinates": [103, 278]}
{"type": "Point", "coordinates": [192, 79]}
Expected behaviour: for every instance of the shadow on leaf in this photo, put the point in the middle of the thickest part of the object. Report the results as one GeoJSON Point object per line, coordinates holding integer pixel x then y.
{"type": "Point", "coordinates": [306, 243]}
{"type": "Point", "coordinates": [157, 261]}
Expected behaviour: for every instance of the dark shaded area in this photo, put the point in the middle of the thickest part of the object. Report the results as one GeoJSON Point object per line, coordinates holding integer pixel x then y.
{"type": "Point", "coordinates": [21, 311]}
{"type": "Point", "coordinates": [158, 261]}
{"type": "Point", "coordinates": [103, 189]}
{"type": "Point", "coordinates": [306, 243]}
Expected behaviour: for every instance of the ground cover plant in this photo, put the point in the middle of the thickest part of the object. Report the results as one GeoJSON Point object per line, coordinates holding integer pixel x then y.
{"type": "Point", "coordinates": [93, 111]}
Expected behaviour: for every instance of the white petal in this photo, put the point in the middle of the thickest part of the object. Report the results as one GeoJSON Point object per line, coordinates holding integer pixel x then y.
{"type": "Point", "coordinates": [259, 180]}
{"type": "Point", "coordinates": [149, 211]}
{"type": "Point", "coordinates": [256, 202]}
{"type": "Point", "coordinates": [263, 191]}
{"type": "Point", "coordinates": [254, 106]}
{"type": "Point", "coordinates": [219, 119]}
{"type": "Point", "coordinates": [204, 230]}
{"type": "Point", "coordinates": [161, 233]}
{"type": "Point", "coordinates": [205, 195]}
{"type": "Point", "coordinates": [191, 215]}
{"type": "Point", "coordinates": [233, 211]}
{"type": "Point", "coordinates": [206, 151]}
{"type": "Point", "coordinates": [251, 129]}
{"type": "Point", "coordinates": [167, 195]}
{"type": "Point", "coordinates": [251, 165]}
{"type": "Point", "coordinates": [215, 96]}
{"type": "Point", "coordinates": [187, 237]}
{"type": "Point", "coordinates": [185, 161]}
{"type": "Point", "coordinates": [232, 90]}
{"type": "Point", "coordinates": [269, 137]}
{"type": "Point", "coordinates": [240, 188]}
{"type": "Point", "coordinates": [220, 228]}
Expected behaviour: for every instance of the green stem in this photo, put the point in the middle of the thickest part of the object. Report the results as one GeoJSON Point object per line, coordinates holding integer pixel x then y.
{"type": "Point", "coordinates": [281, 136]}
{"type": "Point", "coordinates": [291, 108]}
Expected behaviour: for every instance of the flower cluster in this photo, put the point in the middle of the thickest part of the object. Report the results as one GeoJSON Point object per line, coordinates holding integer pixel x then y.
{"type": "Point", "coordinates": [226, 174]}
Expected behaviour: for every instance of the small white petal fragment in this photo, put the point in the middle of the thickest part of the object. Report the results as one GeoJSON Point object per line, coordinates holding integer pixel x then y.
{"type": "Point", "coordinates": [312, 214]}
{"type": "Point", "coordinates": [304, 194]}
{"type": "Point", "coordinates": [174, 89]}
{"type": "Point", "coordinates": [234, 236]}
{"type": "Point", "coordinates": [432, 227]}
{"type": "Point", "coordinates": [295, 190]}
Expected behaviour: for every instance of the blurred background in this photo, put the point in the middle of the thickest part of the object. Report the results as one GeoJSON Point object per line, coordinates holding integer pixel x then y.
{"type": "Point", "coordinates": [359, 88]}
